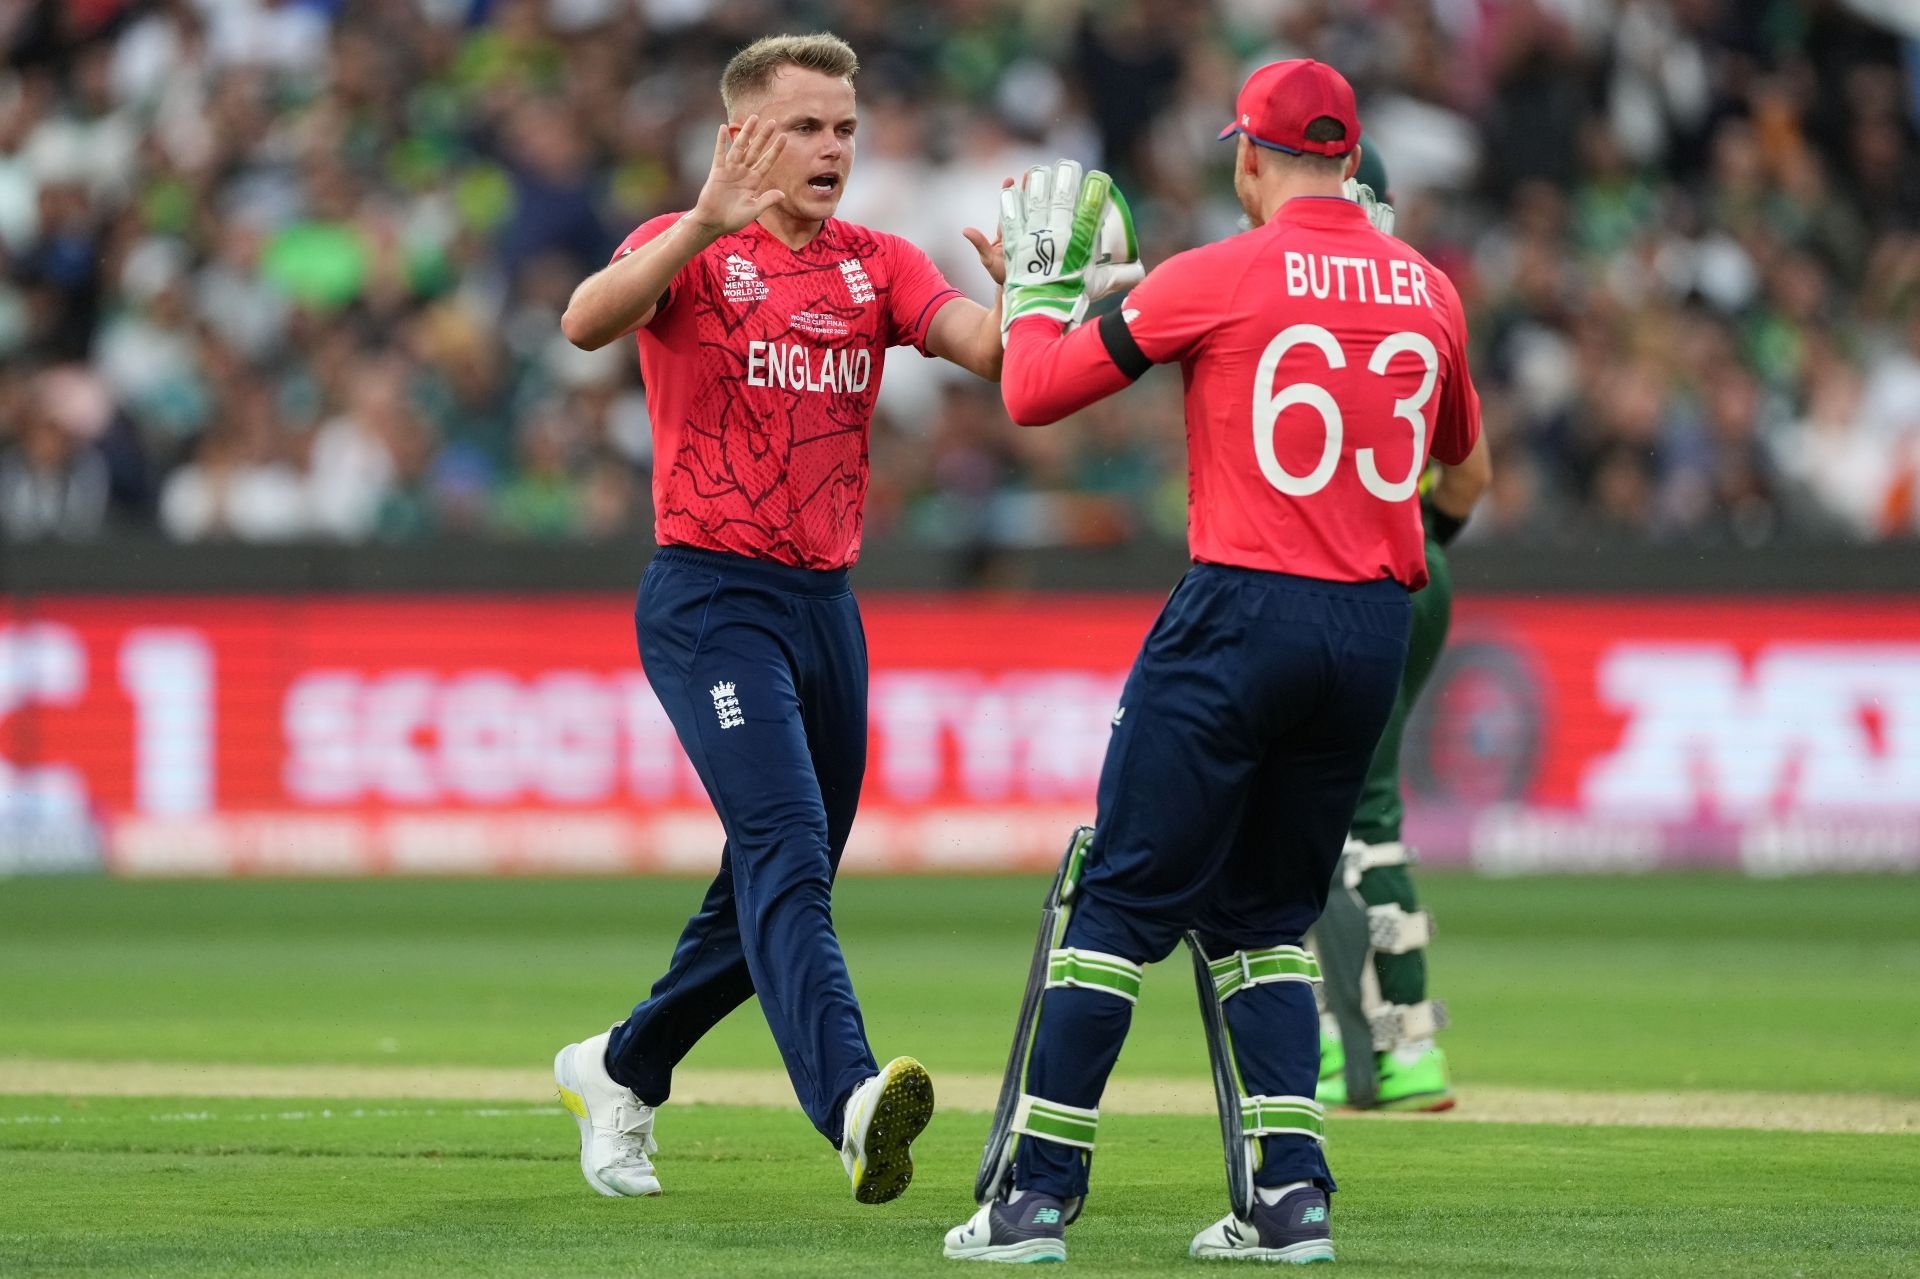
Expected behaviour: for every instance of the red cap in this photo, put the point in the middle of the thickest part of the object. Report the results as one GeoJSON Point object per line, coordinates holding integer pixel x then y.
{"type": "Point", "coordinates": [1280, 99]}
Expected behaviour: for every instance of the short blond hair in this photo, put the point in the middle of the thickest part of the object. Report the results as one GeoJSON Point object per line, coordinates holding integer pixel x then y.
{"type": "Point", "coordinates": [752, 69]}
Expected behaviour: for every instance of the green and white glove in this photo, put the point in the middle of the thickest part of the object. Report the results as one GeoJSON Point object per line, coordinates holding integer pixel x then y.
{"type": "Point", "coordinates": [1069, 240]}
{"type": "Point", "coordinates": [1379, 212]}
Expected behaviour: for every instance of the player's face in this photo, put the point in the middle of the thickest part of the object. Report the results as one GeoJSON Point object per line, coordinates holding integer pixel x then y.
{"type": "Point", "coordinates": [815, 111]}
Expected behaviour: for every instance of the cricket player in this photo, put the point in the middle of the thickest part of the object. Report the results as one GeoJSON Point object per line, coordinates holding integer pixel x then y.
{"type": "Point", "coordinates": [763, 323]}
{"type": "Point", "coordinates": [1371, 940]}
{"type": "Point", "coordinates": [1324, 363]}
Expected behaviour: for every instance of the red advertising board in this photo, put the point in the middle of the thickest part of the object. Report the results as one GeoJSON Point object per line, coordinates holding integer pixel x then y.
{"type": "Point", "coordinates": [494, 734]}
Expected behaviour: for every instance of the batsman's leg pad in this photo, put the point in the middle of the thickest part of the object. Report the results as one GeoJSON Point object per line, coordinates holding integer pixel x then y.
{"type": "Point", "coordinates": [1052, 1121]}
{"type": "Point", "coordinates": [1369, 942]}
{"type": "Point", "coordinates": [1394, 930]}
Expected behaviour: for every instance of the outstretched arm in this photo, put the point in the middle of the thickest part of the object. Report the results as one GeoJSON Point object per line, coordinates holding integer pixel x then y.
{"type": "Point", "coordinates": [964, 332]}
{"type": "Point", "coordinates": [1049, 374]}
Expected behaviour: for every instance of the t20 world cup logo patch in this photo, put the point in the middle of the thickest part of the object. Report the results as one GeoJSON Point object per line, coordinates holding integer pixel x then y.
{"type": "Point", "coordinates": [743, 283]}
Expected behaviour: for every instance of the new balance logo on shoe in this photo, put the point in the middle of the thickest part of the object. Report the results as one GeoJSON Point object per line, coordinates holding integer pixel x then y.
{"type": "Point", "coordinates": [1313, 1215]}
{"type": "Point", "coordinates": [1046, 1217]}
{"type": "Point", "coordinates": [726, 705]}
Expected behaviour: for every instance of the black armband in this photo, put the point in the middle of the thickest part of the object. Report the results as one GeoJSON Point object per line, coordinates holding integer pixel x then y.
{"type": "Point", "coordinates": [1443, 528]}
{"type": "Point", "coordinates": [1125, 352]}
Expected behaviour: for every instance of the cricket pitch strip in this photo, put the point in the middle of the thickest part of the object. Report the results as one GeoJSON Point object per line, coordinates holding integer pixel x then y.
{"type": "Point", "coordinates": [1485, 1103]}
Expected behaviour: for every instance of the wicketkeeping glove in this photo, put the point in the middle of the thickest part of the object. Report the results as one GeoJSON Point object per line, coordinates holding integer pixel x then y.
{"type": "Point", "coordinates": [1379, 212]}
{"type": "Point", "coordinates": [1069, 240]}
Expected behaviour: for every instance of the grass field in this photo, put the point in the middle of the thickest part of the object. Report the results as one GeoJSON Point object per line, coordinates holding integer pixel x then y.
{"type": "Point", "coordinates": [1795, 989]}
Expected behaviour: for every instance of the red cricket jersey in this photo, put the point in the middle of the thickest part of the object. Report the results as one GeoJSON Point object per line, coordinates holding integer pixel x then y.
{"type": "Point", "coordinates": [1324, 361]}
{"type": "Point", "coordinates": [762, 364]}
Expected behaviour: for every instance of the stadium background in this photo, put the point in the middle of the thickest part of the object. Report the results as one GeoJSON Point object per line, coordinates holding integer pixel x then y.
{"type": "Point", "coordinates": [320, 539]}
{"type": "Point", "coordinates": [318, 549]}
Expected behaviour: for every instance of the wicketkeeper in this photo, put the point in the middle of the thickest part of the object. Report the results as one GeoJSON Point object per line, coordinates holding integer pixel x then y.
{"type": "Point", "coordinates": [1324, 363]}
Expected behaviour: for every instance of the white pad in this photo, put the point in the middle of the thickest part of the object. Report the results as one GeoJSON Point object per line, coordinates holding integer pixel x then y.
{"type": "Point", "coordinates": [1396, 1024]}
{"type": "Point", "coordinates": [1359, 858]}
{"type": "Point", "coordinates": [1397, 931]}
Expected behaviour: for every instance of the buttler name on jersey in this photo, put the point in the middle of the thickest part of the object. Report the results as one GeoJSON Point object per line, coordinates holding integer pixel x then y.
{"type": "Point", "coordinates": [1322, 275]}
{"type": "Point", "coordinates": [797, 367]}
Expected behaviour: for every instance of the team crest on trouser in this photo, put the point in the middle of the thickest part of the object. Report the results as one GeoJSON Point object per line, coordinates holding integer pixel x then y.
{"type": "Point", "coordinates": [726, 705]}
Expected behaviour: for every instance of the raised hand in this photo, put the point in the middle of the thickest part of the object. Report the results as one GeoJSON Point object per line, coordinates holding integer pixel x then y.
{"type": "Point", "coordinates": [993, 254]}
{"type": "Point", "coordinates": [736, 190]}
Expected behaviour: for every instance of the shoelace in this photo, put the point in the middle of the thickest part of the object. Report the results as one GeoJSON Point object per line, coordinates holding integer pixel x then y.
{"type": "Point", "coordinates": [634, 1143]}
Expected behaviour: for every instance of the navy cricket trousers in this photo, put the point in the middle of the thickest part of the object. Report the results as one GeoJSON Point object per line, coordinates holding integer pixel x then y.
{"type": "Point", "coordinates": [1246, 729]}
{"type": "Point", "coordinates": [762, 669]}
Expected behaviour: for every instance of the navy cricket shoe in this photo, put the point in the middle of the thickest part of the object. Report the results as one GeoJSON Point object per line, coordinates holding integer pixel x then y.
{"type": "Point", "coordinates": [1033, 1229]}
{"type": "Point", "coordinates": [1295, 1229]}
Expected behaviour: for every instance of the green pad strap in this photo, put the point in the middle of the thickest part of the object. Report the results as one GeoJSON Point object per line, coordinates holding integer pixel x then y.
{"type": "Point", "coordinates": [1051, 1121]}
{"type": "Point", "coordinates": [1267, 1116]}
{"type": "Point", "coordinates": [1091, 970]}
{"type": "Point", "coordinates": [1255, 967]}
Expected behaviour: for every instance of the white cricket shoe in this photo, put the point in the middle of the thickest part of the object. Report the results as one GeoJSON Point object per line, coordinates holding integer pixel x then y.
{"type": "Point", "coordinates": [616, 1129]}
{"type": "Point", "coordinates": [883, 1116]}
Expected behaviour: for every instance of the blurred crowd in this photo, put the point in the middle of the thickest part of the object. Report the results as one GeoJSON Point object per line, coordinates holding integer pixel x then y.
{"type": "Point", "coordinates": [292, 269]}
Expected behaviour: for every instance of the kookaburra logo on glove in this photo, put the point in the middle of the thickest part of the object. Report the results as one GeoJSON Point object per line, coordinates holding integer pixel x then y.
{"type": "Point", "coordinates": [1070, 240]}
{"type": "Point", "coordinates": [1043, 251]}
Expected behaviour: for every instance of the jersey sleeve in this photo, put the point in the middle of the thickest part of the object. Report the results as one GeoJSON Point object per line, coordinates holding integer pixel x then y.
{"type": "Point", "coordinates": [1171, 312]}
{"type": "Point", "coordinates": [915, 292]}
{"type": "Point", "coordinates": [1456, 426]}
{"type": "Point", "coordinates": [640, 235]}
{"type": "Point", "coordinates": [1048, 374]}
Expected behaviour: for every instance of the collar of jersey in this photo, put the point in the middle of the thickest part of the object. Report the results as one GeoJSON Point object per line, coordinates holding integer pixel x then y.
{"type": "Point", "coordinates": [759, 232]}
{"type": "Point", "coordinates": [1319, 210]}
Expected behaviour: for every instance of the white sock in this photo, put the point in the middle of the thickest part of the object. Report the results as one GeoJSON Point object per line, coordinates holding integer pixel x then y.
{"type": "Point", "coordinates": [1413, 1050]}
{"type": "Point", "coordinates": [1271, 1195]}
{"type": "Point", "coordinates": [1015, 1196]}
